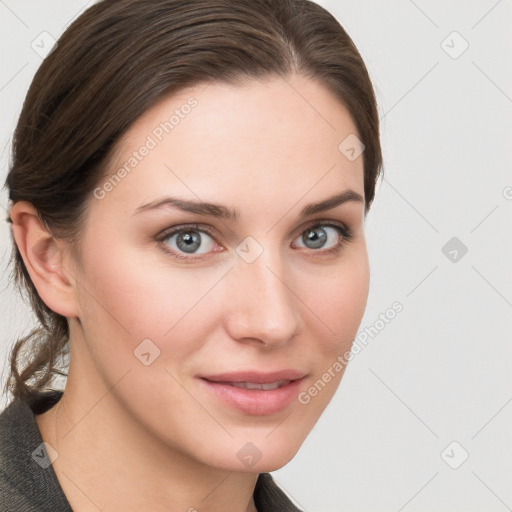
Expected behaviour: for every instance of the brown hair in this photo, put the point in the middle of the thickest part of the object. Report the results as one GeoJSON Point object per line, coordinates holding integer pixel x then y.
{"type": "Point", "coordinates": [117, 60]}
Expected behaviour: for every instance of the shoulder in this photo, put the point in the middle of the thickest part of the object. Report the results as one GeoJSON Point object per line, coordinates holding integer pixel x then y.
{"type": "Point", "coordinates": [269, 497]}
{"type": "Point", "coordinates": [27, 480]}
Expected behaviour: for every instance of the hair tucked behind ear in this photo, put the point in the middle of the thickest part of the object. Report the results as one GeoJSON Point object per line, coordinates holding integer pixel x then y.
{"type": "Point", "coordinates": [116, 61]}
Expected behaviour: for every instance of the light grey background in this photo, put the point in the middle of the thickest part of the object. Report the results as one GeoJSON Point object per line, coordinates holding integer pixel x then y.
{"type": "Point", "coordinates": [439, 372]}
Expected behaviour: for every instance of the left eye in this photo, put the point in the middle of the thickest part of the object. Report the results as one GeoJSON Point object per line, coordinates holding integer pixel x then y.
{"type": "Point", "coordinates": [317, 236]}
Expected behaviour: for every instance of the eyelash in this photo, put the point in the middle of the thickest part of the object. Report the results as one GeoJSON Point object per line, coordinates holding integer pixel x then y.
{"type": "Point", "coordinates": [346, 237]}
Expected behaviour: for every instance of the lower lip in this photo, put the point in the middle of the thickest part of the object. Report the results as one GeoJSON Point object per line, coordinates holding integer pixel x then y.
{"type": "Point", "coordinates": [256, 402]}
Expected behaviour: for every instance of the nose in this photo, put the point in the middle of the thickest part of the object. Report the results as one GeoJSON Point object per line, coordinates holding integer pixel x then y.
{"type": "Point", "coordinates": [263, 306]}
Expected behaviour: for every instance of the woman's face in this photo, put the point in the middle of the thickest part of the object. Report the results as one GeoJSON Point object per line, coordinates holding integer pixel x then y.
{"type": "Point", "coordinates": [267, 297]}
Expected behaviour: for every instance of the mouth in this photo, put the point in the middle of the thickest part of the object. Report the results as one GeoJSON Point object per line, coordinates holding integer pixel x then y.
{"type": "Point", "coordinates": [256, 393]}
{"type": "Point", "coordinates": [256, 385]}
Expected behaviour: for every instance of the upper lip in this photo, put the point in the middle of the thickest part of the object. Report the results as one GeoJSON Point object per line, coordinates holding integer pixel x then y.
{"type": "Point", "coordinates": [256, 376]}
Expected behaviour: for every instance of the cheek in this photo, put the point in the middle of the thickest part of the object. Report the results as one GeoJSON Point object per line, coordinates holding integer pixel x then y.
{"type": "Point", "coordinates": [128, 300]}
{"type": "Point", "coordinates": [339, 309]}
{"type": "Point", "coordinates": [338, 304]}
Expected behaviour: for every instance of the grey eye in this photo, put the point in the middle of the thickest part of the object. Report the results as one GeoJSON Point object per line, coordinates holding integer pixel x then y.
{"type": "Point", "coordinates": [189, 241]}
{"type": "Point", "coordinates": [316, 236]}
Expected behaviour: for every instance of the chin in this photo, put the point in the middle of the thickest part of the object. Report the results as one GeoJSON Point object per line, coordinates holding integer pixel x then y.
{"type": "Point", "coordinates": [272, 465]}
{"type": "Point", "coordinates": [255, 455]}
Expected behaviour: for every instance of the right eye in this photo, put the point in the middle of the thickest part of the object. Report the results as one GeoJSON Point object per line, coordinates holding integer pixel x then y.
{"type": "Point", "coordinates": [182, 242]}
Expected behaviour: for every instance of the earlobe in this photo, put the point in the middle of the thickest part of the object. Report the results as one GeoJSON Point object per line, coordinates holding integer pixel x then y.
{"type": "Point", "coordinates": [43, 256]}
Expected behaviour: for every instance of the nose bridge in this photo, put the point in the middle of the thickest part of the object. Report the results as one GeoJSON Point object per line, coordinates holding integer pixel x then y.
{"type": "Point", "coordinates": [264, 307]}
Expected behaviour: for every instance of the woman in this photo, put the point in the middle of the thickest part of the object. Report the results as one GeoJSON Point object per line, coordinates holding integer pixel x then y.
{"type": "Point", "coordinates": [189, 186]}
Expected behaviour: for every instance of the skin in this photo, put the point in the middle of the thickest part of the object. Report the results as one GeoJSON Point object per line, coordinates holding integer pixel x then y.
{"type": "Point", "coordinates": [134, 437]}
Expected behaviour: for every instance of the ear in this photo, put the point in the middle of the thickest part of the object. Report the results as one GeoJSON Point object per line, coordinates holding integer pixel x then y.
{"type": "Point", "coordinates": [44, 258]}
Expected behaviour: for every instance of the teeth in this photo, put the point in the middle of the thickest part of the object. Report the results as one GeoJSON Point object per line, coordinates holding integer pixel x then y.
{"type": "Point", "coordinates": [254, 385]}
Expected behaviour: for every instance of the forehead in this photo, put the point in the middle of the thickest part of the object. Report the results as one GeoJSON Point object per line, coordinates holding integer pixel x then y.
{"type": "Point", "coordinates": [213, 141]}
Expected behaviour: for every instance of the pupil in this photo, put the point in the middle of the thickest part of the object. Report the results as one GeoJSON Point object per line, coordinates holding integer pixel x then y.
{"type": "Point", "coordinates": [189, 239]}
{"type": "Point", "coordinates": [317, 239]}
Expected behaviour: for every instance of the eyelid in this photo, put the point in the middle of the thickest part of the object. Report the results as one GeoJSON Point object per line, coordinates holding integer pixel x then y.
{"type": "Point", "coordinates": [210, 231]}
{"type": "Point", "coordinates": [323, 222]}
{"type": "Point", "coordinates": [183, 227]}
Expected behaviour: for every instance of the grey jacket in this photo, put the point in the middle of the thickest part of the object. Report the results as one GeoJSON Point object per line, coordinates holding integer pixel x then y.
{"type": "Point", "coordinates": [28, 482]}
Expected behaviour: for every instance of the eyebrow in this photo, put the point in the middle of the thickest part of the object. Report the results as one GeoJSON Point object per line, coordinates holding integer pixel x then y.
{"type": "Point", "coordinates": [222, 212]}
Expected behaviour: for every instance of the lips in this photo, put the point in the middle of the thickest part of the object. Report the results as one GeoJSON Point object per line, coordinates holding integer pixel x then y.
{"type": "Point", "coordinates": [268, 386]}
{"type": "Point", "coordinates": [256, 393]}
{"type": "Point", "coordinates": [256, 377]}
